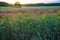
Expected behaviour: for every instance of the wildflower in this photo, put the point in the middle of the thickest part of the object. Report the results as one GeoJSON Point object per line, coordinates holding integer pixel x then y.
{"type": "Point", "coordinates": [18, 20]}
{"type": "Point", "coordinates": [58, 17]}
{"type": "Point", "coordinates": [38, 16]}
{"type": "Point", "coordinates": [8, 17]}
{"type": "Point", "coordinates": [14, 20]}
{"type": "Point", "coordinates": [30, 22]}
{"type": "Point", "coordinates": [28, 17]}
{"type": "Point", "coordinates": [28, 12]}
{"type": "Point", "coordinates": [31, 17]}
{"type": "Point", "coordinates": [21, 21]}
{"type": "Point", "coordinates": [43, 17]}
{"type": "Point", "coordinates": [3, 17]}
{"type": "Point", "coordinates": [58, 11]}
{"type": "Point", "coordinates": [19, 14]}
{"type": "Point", "coordinates": [52, 14]}
{"type": "Point", "coordinates": [2, 22]}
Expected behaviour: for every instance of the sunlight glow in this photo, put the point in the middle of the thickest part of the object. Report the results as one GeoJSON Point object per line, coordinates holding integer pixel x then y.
{"type": "Point", "coordinates": [30, 1]}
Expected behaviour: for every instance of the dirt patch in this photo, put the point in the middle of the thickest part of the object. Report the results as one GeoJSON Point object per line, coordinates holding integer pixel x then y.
{"type": "Point", "coordinates": [13, 13]}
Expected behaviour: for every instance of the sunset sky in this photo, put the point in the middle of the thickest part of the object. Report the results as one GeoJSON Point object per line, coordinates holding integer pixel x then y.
{"type": "Point", "coordinates": [31, 1]}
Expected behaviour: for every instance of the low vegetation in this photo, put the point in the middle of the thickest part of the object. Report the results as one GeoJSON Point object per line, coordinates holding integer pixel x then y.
{"type": "Point", "coordinates": [26, 27]}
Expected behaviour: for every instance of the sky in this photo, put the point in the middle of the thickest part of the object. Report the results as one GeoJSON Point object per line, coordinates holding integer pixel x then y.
{"type": "Point", "coordinates": [31, 1]}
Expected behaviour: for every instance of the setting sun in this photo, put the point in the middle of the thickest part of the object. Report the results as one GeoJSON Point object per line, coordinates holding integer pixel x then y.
{"type": "Point", "coordinates": [31, 1]}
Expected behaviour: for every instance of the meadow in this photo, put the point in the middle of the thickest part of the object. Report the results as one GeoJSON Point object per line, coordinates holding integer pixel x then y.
{"type": "Point", "coordinates": [26, 8]}
{"type": "Point", "coordinates": [7, 8]}
{"type": "Point", "coordinates": [42, 7]}
{"type": "Point", "coordinates": [30, 25]}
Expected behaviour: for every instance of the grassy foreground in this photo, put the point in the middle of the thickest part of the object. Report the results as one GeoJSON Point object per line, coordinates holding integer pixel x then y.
{"type": "Point", "coordinates": [41, 27]}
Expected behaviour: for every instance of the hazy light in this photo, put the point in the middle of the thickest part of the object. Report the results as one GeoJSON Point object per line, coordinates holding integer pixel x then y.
{"type": "Point", "coordinates": [30, 1]}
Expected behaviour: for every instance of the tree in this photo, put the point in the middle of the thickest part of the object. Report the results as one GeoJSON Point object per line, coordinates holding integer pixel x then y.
{"type": "Point", "coordinates": [17, 4]}
{"type": "Point", "coordinates": [4, 4]}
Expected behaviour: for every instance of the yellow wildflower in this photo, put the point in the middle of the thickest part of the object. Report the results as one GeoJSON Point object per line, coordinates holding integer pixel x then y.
{"type": "Point", "coordinates": [31, 17]}
{"type": "Point", "coordinates": [19, 14]}
{"type": "Point", "coordinates": [30, 22]}
{"type": "Point", "coordinates": [21, 21]}
{"type": "Point", "coordinates": [2, 22]}
{"type": "Point", "coordinates": [58, 11]}
{"type": "Point", "coordinates": [43, 17]}
{"type": "Point", "coordinates": [28, 17]}
{"type": "Point", "coordinates": [58, 17]}
{"type": "Point", "coordinates": [3, 17]}
{"type": "Point", "coordinates": [52, 14]}
{"type": "Point", "coordinates": [28, 12]}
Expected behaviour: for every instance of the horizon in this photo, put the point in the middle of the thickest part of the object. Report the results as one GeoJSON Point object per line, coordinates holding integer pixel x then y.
{"type": "Point", "coordinates": [31, 1]}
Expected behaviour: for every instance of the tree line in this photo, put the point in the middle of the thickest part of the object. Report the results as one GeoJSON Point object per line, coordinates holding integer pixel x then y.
{"type": "Point", "coordinates": [17, 4]}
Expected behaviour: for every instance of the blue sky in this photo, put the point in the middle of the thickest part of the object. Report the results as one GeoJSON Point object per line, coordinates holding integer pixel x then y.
{"type": "Point", "coordinates": [31, 1]}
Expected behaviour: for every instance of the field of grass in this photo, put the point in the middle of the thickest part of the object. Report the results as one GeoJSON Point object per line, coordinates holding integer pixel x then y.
{"type": "Point", "coordinates": [41, 27]}
{"type": "Point", "coordinates": [30, 8]}
{"type": "Point", "coordinates": [42, 7]}
{"type": "Point", "coordinates": [29, 27]}
{"type": "Point", "coordinates": [8, 8]}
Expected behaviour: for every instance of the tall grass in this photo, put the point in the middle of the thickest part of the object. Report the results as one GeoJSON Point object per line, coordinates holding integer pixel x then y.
{"type": "Point", "coordinates": [46, 27]}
